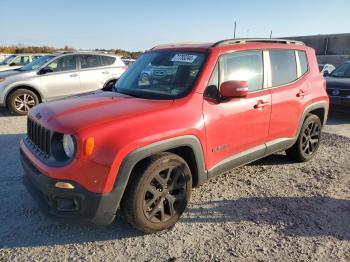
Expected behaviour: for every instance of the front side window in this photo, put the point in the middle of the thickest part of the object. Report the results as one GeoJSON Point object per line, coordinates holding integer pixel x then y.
{"type": "Point", "coordinates": [283, 67]}
{"type": "Point", "coordinates": [243, 66]}
{"type": "Point", "coordinates": [89, 61]}
{"type": "Point", "coordinates": [20, 60]}
{"type": "Point", "coordinates": [342, 71]}
{"type": "Point", "coordinates": [162, 74]}
{"type": "Point", "coordinates": [62, 64]}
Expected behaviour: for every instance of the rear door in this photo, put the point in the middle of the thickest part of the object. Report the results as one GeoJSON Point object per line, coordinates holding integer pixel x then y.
{"type": "Point", "coordinates": [62, 78]}
{"type": "Point", "coordinates": [93, 75]}
{"type": "Point", "coordinates": [289, 91]}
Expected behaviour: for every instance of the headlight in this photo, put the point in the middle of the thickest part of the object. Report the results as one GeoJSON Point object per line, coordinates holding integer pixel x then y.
{"type": "Point", "coordinates": [2, 79]}
{"type": "Point", "coordinates": [68, 145]}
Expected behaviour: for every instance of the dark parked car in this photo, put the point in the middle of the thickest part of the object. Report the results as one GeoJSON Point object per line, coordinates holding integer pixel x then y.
{"type": "Point", "coordinates": [338, 85]}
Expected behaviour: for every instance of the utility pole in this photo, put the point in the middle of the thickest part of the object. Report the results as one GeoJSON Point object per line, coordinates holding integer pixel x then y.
{"type": "Point", "coordinates": [234, 31]}
{"type": "Point", "coordinates": [271, 34]}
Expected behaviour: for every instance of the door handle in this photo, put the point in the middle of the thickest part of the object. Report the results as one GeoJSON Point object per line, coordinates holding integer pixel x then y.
{"type": "Point", "coordinates": [261, 104]}
{"type": "Point", "coordinates": [301, 93]}
{"type": "Point", "coordinates": [105, 72]}
{"type": "Point", "coordinates": [73, 75]}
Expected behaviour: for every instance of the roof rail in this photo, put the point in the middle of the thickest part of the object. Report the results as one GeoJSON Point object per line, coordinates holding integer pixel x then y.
{"type": "Point", "coordinates": [257, 40]}
{"type": "Point", "coordinates": [81, 51]}
{"type": "Point", "coordinates": [175, 45]}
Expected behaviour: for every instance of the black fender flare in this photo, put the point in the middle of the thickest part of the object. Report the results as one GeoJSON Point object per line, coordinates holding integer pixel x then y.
{"type": "Point", "coordinates": [318, 105]}
{"type": "Point", "coordinates": [139, 154]}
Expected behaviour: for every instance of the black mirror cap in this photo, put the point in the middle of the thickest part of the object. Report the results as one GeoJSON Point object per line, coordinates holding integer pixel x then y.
{"type": "Point", "coordinates": [44, 71]}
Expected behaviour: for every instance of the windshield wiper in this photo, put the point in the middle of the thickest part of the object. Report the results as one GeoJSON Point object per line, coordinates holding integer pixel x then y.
{"type": "Point", "coordinates": [127, 93]}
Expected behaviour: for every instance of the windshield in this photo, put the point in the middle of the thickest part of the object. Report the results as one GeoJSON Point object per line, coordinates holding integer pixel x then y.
{"type": "Point", "coordinates": [36, 63]}
{"type": "Point", "coordinates": [7, 60]}
{"type": "Point", "coordinates": [342, 71]}
{"type": "Point", "coordinates": [161, 75]}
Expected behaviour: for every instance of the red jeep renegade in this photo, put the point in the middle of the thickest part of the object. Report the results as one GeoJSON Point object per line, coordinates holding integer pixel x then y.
{"type": "Point", "coordinates": [180, 115]}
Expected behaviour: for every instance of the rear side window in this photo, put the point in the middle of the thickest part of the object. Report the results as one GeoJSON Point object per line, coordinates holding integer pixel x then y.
{"type": "Point", "coordinates": [88, 61]}
{"type": "Point", "coordinates": [283, 67]}
{"type": "Point", "coordinates": [303, 62]}
{"type": "Point", "coordinates": [246, 66]}
{"type": "Point", "coordinates": [107, 60]}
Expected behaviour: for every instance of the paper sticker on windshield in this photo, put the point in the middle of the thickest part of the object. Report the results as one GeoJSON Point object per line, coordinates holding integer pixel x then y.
{"type": "Point", "coordinates": [186, 58]}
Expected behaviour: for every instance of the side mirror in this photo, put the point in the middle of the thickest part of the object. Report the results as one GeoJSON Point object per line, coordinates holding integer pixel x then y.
{"type": "Point", "coordinates": [234, 88]}
{"type": "Point", "coordinates": [44, 71]}
{"type": "Point", "coordinates": [12, 64]}
{"type": "Point", "coordinates": [326, 73]}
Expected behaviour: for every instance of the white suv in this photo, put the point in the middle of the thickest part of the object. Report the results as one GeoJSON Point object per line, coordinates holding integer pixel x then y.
{"type": "Point", "coordinates": [58, 75]}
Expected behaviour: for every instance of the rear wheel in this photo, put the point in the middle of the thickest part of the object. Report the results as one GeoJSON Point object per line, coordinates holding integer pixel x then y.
{"type": "Point", "coordinates": [308, 141]}
{"type": "Point", "coordinates": [21, 100]}
{"type": "Point", "coordinates": [158, 193]}
{"type": "Point", "coordinates": [109, 85]}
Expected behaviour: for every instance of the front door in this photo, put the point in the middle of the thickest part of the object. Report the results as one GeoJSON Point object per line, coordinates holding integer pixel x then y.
{"type": "Point", "coordinates": [61, 78]}
{"type": "Point", "coordinates": [238, 127]}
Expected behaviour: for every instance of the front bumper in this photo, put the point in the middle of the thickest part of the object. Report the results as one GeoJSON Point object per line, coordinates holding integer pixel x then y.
{"type": "Point", "coordinates": [77, 203]}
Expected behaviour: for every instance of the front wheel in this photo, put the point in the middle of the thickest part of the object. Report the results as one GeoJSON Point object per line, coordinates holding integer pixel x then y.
{"type": "Point", "coordinates": [158, 193]}
{"type": "Point", "coordinates": [21, 100]}
{"type": "Point", "coordinates": [308, 141]}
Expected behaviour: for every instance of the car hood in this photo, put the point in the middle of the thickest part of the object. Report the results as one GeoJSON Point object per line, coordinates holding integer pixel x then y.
{"type": "Point", "coordinates": [337, 82]}
{"type": "Point", "coordinates": [73, 114]}
{"type": "Point", "coordinates": [10, 73]}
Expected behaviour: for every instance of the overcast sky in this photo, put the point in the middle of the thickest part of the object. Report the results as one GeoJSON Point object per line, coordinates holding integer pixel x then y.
{"type": "Point", "coordinates": [139, 25]}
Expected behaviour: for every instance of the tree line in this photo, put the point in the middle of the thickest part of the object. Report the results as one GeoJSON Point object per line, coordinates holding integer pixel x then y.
{"type": "Point", "coordinates": [18, 49]}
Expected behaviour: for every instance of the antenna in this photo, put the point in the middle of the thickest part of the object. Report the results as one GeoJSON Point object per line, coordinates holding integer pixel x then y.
{"type": "Point", "coordinates": [234, 31]}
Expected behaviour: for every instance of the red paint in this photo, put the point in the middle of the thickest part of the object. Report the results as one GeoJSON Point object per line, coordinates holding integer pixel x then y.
{"type": "Point", "coordinates": [122, 124]}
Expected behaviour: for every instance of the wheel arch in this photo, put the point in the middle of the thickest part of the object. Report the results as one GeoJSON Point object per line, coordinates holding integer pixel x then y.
{"type": "Point", "coordinates": [13, 89]}
{"type": "Point", "coordinates": [319, 108]}
{"type": "Point", "coordinates": [187, 147]}
{"type": "Point", "coordinates": [114, 79]}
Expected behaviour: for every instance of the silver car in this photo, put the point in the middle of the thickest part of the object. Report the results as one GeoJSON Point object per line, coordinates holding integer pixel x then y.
{"type": "Point", "coordinates": [58, 75]}
{"type": "Point", "coordinates": [17, 61]}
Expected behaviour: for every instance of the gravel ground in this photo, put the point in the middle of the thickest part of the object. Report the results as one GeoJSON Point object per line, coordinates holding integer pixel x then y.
{"type": "Point", "coordinates": [273, 209]}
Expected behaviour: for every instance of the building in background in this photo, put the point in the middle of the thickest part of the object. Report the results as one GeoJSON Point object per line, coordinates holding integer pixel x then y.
{"type": "Point", "coordinates": [330, 49]}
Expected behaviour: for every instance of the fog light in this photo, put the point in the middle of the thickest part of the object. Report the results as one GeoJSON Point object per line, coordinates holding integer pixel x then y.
{"type": "Point", "coordinates": [64, 185]}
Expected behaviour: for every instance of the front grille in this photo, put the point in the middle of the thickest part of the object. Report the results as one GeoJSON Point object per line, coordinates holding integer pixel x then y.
{"type": "Point", "coordinates": [39, 136]}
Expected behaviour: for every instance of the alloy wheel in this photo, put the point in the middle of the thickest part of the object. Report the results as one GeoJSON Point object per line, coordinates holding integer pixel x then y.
{"type": "Point", "coordinates": [310, 138]}
{"type": "Point", "coordinates": [24, 102]}
{"type": "Point", "coordinates": [165, 194]}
